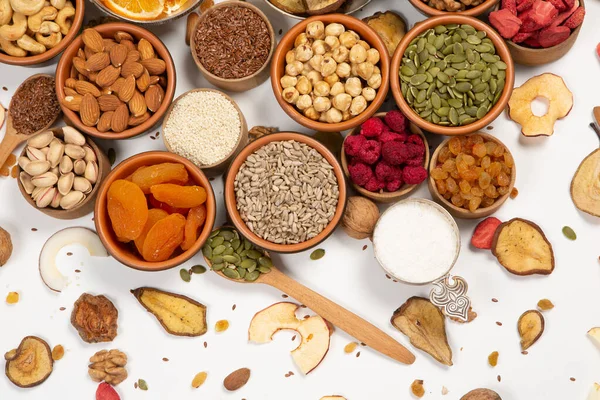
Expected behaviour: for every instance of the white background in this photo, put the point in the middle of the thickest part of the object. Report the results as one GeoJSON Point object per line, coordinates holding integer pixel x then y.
{"type": "Point", "coordinates": [347, 274]}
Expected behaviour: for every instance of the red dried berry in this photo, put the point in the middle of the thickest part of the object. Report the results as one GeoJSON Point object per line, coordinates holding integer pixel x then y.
{"type": "Point", "coordinates": [553, 36]}
{"type": "Point", "coordinates": [372, 127]}
{"type": "Point", "coordinates": [510, 5]}
{"type": "Point", "coordinates": [521, 37]}
{"type": "Point", "coordinates": [395, 153]}
{"type": "Point", "coordinates": [484, 233]}
{"type": "Point", "coordinates": [370, 152]}
{"type": "Point", "coordinates": [565, 15]}
{"type": "Point", "coordinates": [383, 171]}
{"type": "Point", "coordinates": [374, 185]}
{"type": "Point", "coordinates": [414, 175]}
{"type": "Point", "coordinates": [414, 162]}
{"type": "Point", "coordinates": [396, 121]}
{"type": "Point", "coordinates": [543, 13]}
{"type": "Point", "coordinates": [389, 136]}
{"type": "Point", "coordinates": [106, 392]}
{"type": "Point", "coordinates": [533, 42]}
{"type": "Point", "coordinates": [360, 173]}
{"type": "Point", "coordinates": [558, 4]}
{"type": "Point", "coordinates": [394, 185]}
{"type": "Point", "coordinates": [525, 4]}
{"type": "Point", "coordinates": [576, 19]}
{"type": "Point", "coordinates": [416, 139]}
{"type": "Point", "coordinates": [569, 3]}
{"type": "Point", "coordinates": [505, 22]}
{"type": "Point", "coordinates": [353, 144]}
{"type": "Point", "coordinates": [415, 150]}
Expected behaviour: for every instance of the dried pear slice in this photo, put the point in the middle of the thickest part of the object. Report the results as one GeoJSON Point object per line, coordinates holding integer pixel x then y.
{"type": "Point", "coordinates": [390, 27]}
{"type": "Point", "coordinates": [178, 314]}
{"type": "Point", "coordinates": [30, 364]}
{"type": "Point", "coordinates": [522, 248]}
{"type": "Point", "coordinates": [425, 326]}
{"type": "Point", "coordinates": [531, 326]}
{"type": "Point", "coordinates": [585, 186]}
{"type": "Point", "coordinates": [481, 394]}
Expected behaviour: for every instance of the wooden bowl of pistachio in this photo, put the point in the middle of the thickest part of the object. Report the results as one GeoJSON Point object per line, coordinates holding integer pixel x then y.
{"type": "Point", "coordinates": [432, 8]}
{"type": "Point", "coordinates": [60, 171]}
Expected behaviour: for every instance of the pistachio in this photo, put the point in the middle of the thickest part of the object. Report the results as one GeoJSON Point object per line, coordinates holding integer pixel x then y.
{"type": "Point", "coordinates": [79, 167]}
{"type": "Point", "coordinates": [91, 172]}
{"type": "Point", "coordinates": [72, 199]}
{"type": "Point", "coordinates": [23, 161]}
{"type": "Point", "coordinates": [66, 165]}
{"type": "Point", "coordinates": [35, 154]}
{"type": "Point", "coordinates": [82, 185]}
{"type": "Point", "coordinates": [56, 200]}
{"type": "Point", "coordinates": [90, 155]}
{"type": "Point", "coordinates": [72, 136]}
{"type": "Point", "coordinates": [65, 183]}
{"type": "Point", "coordinates": [45, 197]}
{"type": "Point", "coordinates": [44, 180]}
{"type": "Point", "coordinates": [55, 153]}
{"type": "Point", "coordinates": [36, 193]}
{"type": "Point", "coordinates": [74, 151]}
{"type": "Point", "coordinates": [25, 179]}
{"type": "Point", "coordinates": [56, 140]}
{"type": "Point", "coordinates": [35, 168]}
{"type": "Point", "coordinates": [55, 171]}
{"type": "Point", "coordinates": [42, 140]}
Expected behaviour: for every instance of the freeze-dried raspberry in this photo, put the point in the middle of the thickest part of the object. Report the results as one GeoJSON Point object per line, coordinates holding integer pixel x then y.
{"type": "Point", "coordinates": [511, 5]}
{"type": "Point", "coordinates": [414, 162]}
{"type": "Point", "coordinates": [416, 139]}
{"type": "Point", "coordinates": [372, 127]}
{"type": "Point", "coordinates": [415, 150]}
{"type": "Point", "coordinates": [360, 173]}
{"type": "Point", "coordinates": [414, 175]}
{"type": "Point", "coordinates": [374, 185]}
{"type": "Point", "coordinates": [396, 121]}
{"type": "Point", "coordinates": [353, 144]}
{"type": "Point", "coordinates": [370, 152]}
{"type": "Point", "coordinates": [554, 35]}
{"type": "Point", "coordinates": [576, 19]}
{"type": "Point", "coordinates": [388, 136]}
{"type": "Point", "coordinates": [387, 172]}
{"type": "Point", "coordinates": [395, 153]}
{"type": "Point", "coordinates": [394, 185]}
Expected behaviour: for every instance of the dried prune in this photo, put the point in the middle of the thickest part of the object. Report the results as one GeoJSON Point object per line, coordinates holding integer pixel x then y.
{"type": "Point", "coordinates": [179, 196]}
{"type": "Point", "coordinates": [127, 209]}
{"type": "Point", "coordinates": [163, 238]}
{"type": "Point", "coordinates": [195, 220]}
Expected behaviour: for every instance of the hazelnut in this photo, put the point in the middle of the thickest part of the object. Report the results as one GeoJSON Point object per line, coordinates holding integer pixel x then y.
{"type": "Point", "coordinates": [334, 29]}
{"type": "Point", "coordinates": [374, 81]}
{"type": "Point", "coordinates": [331, 79]}
{"type": "Point", "coordinates": [322, 104]}
{"type": "Point", "coordinates": [340, 54]}
{"type": "Point", "coordinates": [304, 102]}
{"type": "Point", "coordinates": [288, 81]}
{"type": "Point", "coordinates": [304, 86]}
{"type": "Point", "coordinates": [303, 52]}
{"type": "Point", "coordinates": [364, 44]}
{"type": "Point", "coordinates": [321, 88]}
{"type": "Point", "coordinates": [290, 57]}
{"type": "Point", "coordinates": [343, 70]}
{"type": "Point", "coordinates": [353, 86]}
{"type": "Point", "coordinates": [373, 56]}
{"type": "Point", "coordinates": [311, 113]}
{"type": "Point", "coordinates": [376, 70]}
{"type": "Point", "coordinates": [332, 41]}
{"type": "Point", "coordinates": [333, 116]}
{"type": "Point", "coordinates": [301, 39]}
{"type": "Point", "coordinates": [306, 68]}
{"type": "Point", "coordinates": [315, 30]}
{"type": "Point", "coordinates": [369, 93]}
{"type": "Point", "coordinates": [316, 61]}
{"type": "Point", "coordinates": [360, 217]}
{"type": "Point", "coordinates": [342, 102]}
{"type": "Point", "coordinates": [294, 69]}
{"type": "Point", "coordinates": [6, 246]}
{"type": "Point", "coordinates": [328, 66]}
{"type": "Point", "coordinates": [314, 77]}
{"type": "Point", "coordinates": [365, 70]}
{"type": "Point", "coordinates": [346, 116]}
{"type": "Point", "coordinates": [336, 89]}
{"type": "Point", "coordinates": [290, 95]}
{"type": "Point", "coordinates": [359, 104]}
{"type": "Point", "coordinates": [319, 47]}
{"type": "Point", "coordinates": [349, 39]}
{"type": "Point", "coordinates": [358, 54]}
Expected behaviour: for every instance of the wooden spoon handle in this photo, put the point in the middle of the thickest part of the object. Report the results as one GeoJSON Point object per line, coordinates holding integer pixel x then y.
{"type": "Point", "coordinates": [8, 144]}
{"type": "Point", "coordinates": [345, 320]}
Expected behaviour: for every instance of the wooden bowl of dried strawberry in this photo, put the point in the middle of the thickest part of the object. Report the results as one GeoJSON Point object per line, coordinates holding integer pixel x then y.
{"type": "Point", "coordinates": [538, 32]}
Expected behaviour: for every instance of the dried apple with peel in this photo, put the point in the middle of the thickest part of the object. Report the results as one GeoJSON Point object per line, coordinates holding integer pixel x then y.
{"type": "Point", "coordinates": [585, 186]}
{"type": "Point", "coordinates": [549, 86]}
{"type": "Point", "coordinates": [531, 326]}
{"type": "Point", "coordinates": [425, 326]}
{"type": "Point", "coordinates": [290, 6]}
{"type": "Point", "coordinates": [594, 392]}
{"type": "Point", "coordinates": [390, 27]}
{"type": "Point", "coordinates": [522, 248]}
{"type": "Point", "coordinates": [178, 314]}
{"type": "Point", "coordinates": [481, 394]}
{"type": "Point", "coordinates": [594, 333]}
{"type": "Point", "coordinates": [30, 364]}
{"type": "Point", "coordinates": [314, 332]}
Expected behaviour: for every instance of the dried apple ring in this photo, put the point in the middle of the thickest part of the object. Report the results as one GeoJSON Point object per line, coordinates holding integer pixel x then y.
{"type": "Point", "coordinates": [549, 86]}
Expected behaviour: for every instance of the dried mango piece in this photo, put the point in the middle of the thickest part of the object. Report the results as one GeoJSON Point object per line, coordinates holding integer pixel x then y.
{"type": "Point", "coordinates": [30, 364]}
{"type": "Point", "coordinates": [154, 215]}
{"type": "Point", "coordinates": [531, 326]}
{"type": "Point", "coordinates": [195, 220]}
{"type": "Point", "coordinates": [163, 238]}
{"type": "Point", "coordinates": [585, 186]}
{"type": "Point", "coordinates": [127, 209]}
{"type": "Point", "coordinates": [159, 173]}
{"type": "Point", "coordinates": [179, 196]}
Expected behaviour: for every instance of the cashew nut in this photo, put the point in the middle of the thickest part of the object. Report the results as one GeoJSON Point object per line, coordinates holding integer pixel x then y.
{"type": "Point", "coordinates": [63, 19]}
{"type": "Point", "coordinates": [6, 12]}
{"type": "Point", "coordinates": [10, 49]}
{"type": "Point", "coordinates": [16, 30]}
{"type": "Point", "coordinates": [46, 14]}
{"type": "Point", "coordinates": [27, 7]}
{"type": "Point", "coordinates": [28, 43]}
{"type": "Point", "coordinates": [49, 41]}
{"type": "Point", "coordinates": [59, 4]}
{"type": "Point", "coordinates": [48, 28]}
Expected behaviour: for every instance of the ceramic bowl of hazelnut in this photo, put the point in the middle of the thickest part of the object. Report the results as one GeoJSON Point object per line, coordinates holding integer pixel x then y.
{"type": "Point", "coordinates": [330, 72]}
{"type": "Point", "coordinates": [473, 8]}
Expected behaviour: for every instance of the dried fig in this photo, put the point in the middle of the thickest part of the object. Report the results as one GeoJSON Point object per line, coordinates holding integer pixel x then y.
{"type": "Point", "coordinates": [95, 318]}
{"type": "Point", "coordinates": [30, 364]}
{"type": "Point", "coordinates": [530, 326]}
{"type": "Point", "coordinates": [585, 186]}
{"type": "Point", "coordinates": [481, 394]}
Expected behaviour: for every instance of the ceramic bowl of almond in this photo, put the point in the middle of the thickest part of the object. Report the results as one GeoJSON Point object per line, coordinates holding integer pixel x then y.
{"type": "Point", "coordinates": [60, 172]}
{"type": "Point", "coordinates": [115, 81]}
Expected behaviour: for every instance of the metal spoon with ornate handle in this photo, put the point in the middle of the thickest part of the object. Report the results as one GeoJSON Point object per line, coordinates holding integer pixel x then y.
{"type": "Point", "coordinates": [347, 321]}
{"type": "Point", "coordinates": [12, 138]}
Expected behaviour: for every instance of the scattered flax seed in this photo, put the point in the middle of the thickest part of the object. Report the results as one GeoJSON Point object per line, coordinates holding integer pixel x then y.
{"type": "Point", "coordinates": [280, 31]}
{"type": "Point", "coordinates": [489, 128]}
{"type": "Point", "coordinates": [498, 323]}
{"type": "Point", "coordinates": [289, 374]}
{"type": "Point", "coordinates": [572, 379]}
{"type": "Point", "coordinates": [545, 305]}
{"type": "Point", "coordinates": [350, 347]}
{"type": "Point", "coordinates": [493, 359]}
{"type": "Point", "coordinates": [525, 352]}
{"type": "Point", "coordinates": [165, 359]}
{"type": "Point", "coordinates": [12, 298]}
{"type": "Point", "coordinates": [157, 134]}
{"type": "Point", "coordinates": [293, 338]}
{"type": "Point", "coordinates": [461, 349]}
{"type": "Point", "coordinates": [302, 306]}
{"type": "Point", "coordinates": [499, 378]}
{"type": "Point", "coordinates": [285, 296]}
{"type": "Point", "coordinates": [494, 300]}
{"type": "Point", "coordinates": [417, 388]}
{"type": "Point", "coordinates": [387, 276]}
{"type": "Point", "coordinates": [78, 271]}
{"type": "Point", "coordinates": [4, 88]}
{"type": "Point", "coordinates": [69, 254]}
{"type": "Point", "coordinates": [33, 229]}
{"type": "Point", "coordinates": [365, 247]}
{"type": "Point", "coordinates": [445, 390]}
{"type": "Point", "coordinates": [358, 354]}
{"type": "Point", "coordinates": [135, 385]}
{"type": "Point", "coordinates": [152, 137]}
{"type": "Point", "coordinates": [205, 345]}
{"type": "Point", "coordinates": [233, 307]}
{"type": "Point", "coordinates": [62, 309]}
{"type": "Point", "coordinates": [306, 316]}
{"type": "Point", "coordinates": [514, 193]}
{"type": "Point", "coordinates": [363, 344]}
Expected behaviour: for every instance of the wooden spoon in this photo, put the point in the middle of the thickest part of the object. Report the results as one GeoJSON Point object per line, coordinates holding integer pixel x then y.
{"type": "Point", "coordinates": [347, 321]}
{"type": "Point", "coordinates": [596, 126]}
{"type": "Point", "coordinates": [12, 138]}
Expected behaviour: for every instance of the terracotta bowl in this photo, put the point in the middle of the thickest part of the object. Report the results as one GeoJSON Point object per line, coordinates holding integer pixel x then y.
{"type": "Point", "coordinates": [53, 52]}
{"type": "Point", "coordinates": [349, 7]}
{"type": "Point", "coordinates": [124, 252]}
{"type": "Point", "coordinates": [85, 207]}
{"type": "Point", "coordinates": [220, 166]}
{"type": "Point", "coordinates": [471, 12]}
{"type": "Point", "coordinates": [63, 71]}
{"type": "Point", "coordinates": [287, 43]}
{"type": "Point", "coordinates": [241, 84]}
{"type": "Point", "coordinates": [530, 56]}
{"type": "Point", "coordinates": [501, 50]}
{"type": "Point", "coordinates": [230, 199]}
{"type": "Point", "coordinates": [386, 197]}
{"type": "Point", "coordinates": [188, 7]}
{"type": "Point", "coordinates": [459, 212]}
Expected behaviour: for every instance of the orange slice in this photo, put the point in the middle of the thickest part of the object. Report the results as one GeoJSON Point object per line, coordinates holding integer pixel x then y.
{"type": "Point", "coordinates": [137, 9]}
{"type": "Point", "coordinates": [172, 6]}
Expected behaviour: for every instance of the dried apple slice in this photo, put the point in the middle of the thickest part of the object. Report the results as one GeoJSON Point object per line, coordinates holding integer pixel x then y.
{"type": "Point", "coordinates": [481, 394]}
{"type": "Point", "coordinates": [30, 364]}
{"type": "Point", "coordinates": [594, 333]}
{"type": "Point", "coordinates": [178, 314]}
{"type": "Point", "coordinates": [425, 326]}
{"type": "Point", "coordinates": [585, 186]}
{"type": "Point", "coordinates": [314, 331]}
{"type": "Point", "coordinates": [594, 392]}
{"type": "Point", "coordinates": [531, 326]}
{"type": "Point", "coordinates": [522, 248]}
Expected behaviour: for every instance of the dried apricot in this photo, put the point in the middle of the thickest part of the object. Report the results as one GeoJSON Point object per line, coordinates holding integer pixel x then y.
{"type": "Point", "coordinates": [154, 215]}
{"type": "Point", "coordinates": [163, 238]}
{"type": "Point", "coordinates": [195, 219]}
{"type": "Point", "coordinates": [159, 173]}
{"type": "Point", "coordinates": [179, 196]}
{"type": "Point", "coordinates": [127, 209]}
{"type": "Point", "coordinates": [164, 206]}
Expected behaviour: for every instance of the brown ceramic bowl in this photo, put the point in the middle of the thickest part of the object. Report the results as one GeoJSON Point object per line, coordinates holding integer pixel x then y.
{"type": "Point", "coordinates": [471, 12]}
{"type": "Point", "coordinates": [53, 52]}
{"type": "Point", "coordinates": [383, 196]}
{"type": "Point", "coordinates": [230, 198]}
{"type": "Point", "coordinates": [501, 50]}
{"type": "Point", "coordinates": [241, 84]}
{"type": "Point", "coordinates": [125, 252]}
{"type": "Point", "coordinates": [220, 166]}
{"type": "Point", "coordinates": [287, 43]}
{"type": "Point", "coordinates": [459, 212]}
{"type": "Point", "coordinates": [87, 205]}
{"type": "Point", "coordinates": [531, 56]}
{"type": "Point", "coordinates": [63, 71]}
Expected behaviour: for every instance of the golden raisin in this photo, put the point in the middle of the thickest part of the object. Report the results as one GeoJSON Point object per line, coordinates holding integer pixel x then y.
{"type": "Point", "coordinates": [545, 305]}
{"type": "Point", "coordinates": [179, 196]}
{"type": "Point", "coordinates": [222, 325]}
{"type": "Point", "coordinates": [493, 359]}
{"type": "Point", "coordinates": [199, 379]}
{"type": "Point", "coordinates": [127, 209]}
{"type": "Point", "coordinates": [417, 388]}
{"type": "Point", "coordinates": [154, 215]}
{"type": "Point", "coordinates": [195, 220]}
{"type": "Point", "coordinates": [163, 238]}
{"type": "Point", "coordinates": [514, 193]}
{"type": "Point", "coordinates": [58, 352]}
{"type": "Point", "coordinates": [159, 173]}
{"type": "Point", "coordinates": [12, 298]}
{"type": "Point", "coordinates": [350, 347]}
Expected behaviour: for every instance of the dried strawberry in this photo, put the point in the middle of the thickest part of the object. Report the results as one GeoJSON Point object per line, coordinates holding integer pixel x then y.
{"type": "Point", "coordinates": [598, 49]}
{"type": "Point", "coordinates": [542, 13]}
{"type": "Point", "coordinates": [525, 4]}
{"type": "Point", "coordinates": [569, 3]}
{"type": "Point", "coordinates": [563, 16]}
{"type": "Point", "coordinates": [484, 233]}
{"type": "Point", "coordinates": [521, 37]}
{"type": "Point", "coordinates": [510, 5]}
{"type": "Point", "coordinates": [505, 22]}
{"type": "Point", "coordinates": [558, 4]}
{"type": "Point", "coordinates": [106, 392]}
{"type": "Point", "coordinates": [554, 35]}
{"type": "Point", "coordinates": [576, 19]}
{"type": "Point", "coordinates": [533, 42]}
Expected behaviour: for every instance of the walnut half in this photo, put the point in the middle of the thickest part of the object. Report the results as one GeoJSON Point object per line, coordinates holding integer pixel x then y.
{"type": "Point", "coordinates": [108, 366]}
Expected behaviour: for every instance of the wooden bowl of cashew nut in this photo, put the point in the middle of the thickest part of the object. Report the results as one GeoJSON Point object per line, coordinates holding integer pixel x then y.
{"type": "Point", "coordinates": [33, 31]}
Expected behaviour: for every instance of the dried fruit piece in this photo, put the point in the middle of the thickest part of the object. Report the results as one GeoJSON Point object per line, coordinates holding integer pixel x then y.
{"type": "Point", "coordinates": [95, 318]}
{"type": "Point", "coordinates": [481, 394]}
{"type": "Point", "coordinates": [12, 298]}
{"type": "Point", "coordinates": [522, 248]}
{"type": "Point", "coordinates": [417, 388]}
{"type": "Point", "coordinates": [30, 364]}
{"type": "Point", "coordinates": [594, 333]}
{"type": "Point", "coordinates": [585, 186]}
{"type": "Point", "coordinates": [350, 347]}
{"type": "Point", "coordinates": [178, 314]}
{"type": "Point", "coordinates": [222, 325]}
{"type": "Point", "coordinates": [236, 379]}
{"type": "Point", "coordinates": [594, 392]}
{"type": "Point", "coordinates": [142, 384]}
{"type": "Point", "coordinates": [545, 305]}
{"type": "Point", "coordinates": [390, 26]}
{"type": "Point", "coordinates": [200, 377]}
{"type": "Point", "coordinates": [163, 238]}
{"type": "Point", "coordinates": [194, 221]}
{"type": "Point", "coordinates": [6, 246]}
{"type": "Point", "coordinates": [179, 196]}
{"type": "Point", "coordinates": [127, 209]}
{"type": "Point", "coordinates": [425, 326]}
{"type": "Point", "coordinates": [108, 366]}
{"type": "Point", "coordinates": [493, 358]}
{"type": "Point", "coordinates": [154, 215]}
{"type": "Point", "coordinates": [106, 392]}
{"type": "Point", "coordinates": [484, 233]}
{"type": "Point", "coordinates": [531, 326]}
{"type": "Point", "coordinates": [58, 352]}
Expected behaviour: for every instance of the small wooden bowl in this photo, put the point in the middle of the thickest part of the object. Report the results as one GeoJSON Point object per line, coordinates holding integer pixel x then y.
{"type": "Point", "coordinates": [63, 71]}
{"type": "Point", "coordinates": [241, 84]}
{"type": "Point", "coordinates": [124, 252]}
{"type": "Point", "coordinates": [287, 43]}
{"type": "Point", "coordinates": [459, 212]}
{"type": "Point", "coordinates": [471, 12]}
{"type": "Point", "coordinates": [220, 166]}
{"type": "Point", "coordinates": [53, 52]}
{"type": "Point", "coordinates": [532, 57]}
{"type": "Point", "coordinates": [501, 50]}
{"type": "Point", "coordinates": [87, 206]}
{"type": "Point", "coordinates": [382, 196]}
{"type": "Point", "coordinates": [231, 204]}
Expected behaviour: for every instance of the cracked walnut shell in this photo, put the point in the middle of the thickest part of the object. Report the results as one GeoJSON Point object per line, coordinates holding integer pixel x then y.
{"type": "Point", "coordinates": [108, 366]}
{"type": "Point", "coordinates": [95, 318]}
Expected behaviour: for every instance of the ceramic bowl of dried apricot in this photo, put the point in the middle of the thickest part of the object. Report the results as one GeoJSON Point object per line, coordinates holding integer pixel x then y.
{"type": "Point", "coordinates": [154, 211]}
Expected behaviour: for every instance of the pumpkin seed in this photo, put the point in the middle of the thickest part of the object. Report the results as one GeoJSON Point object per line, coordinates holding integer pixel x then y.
{"type": "Point", "coordinates": [185, 275]}
{"type": "Point", "coordinates": [218, 267]}
{"type": "Point", "coordinates": [142, 384]}
{"type": "Point", "coordinates": [214, 233]}
{"type": "Point", "coordinates": [112, 156]}
{"type": "Point", "coordinates": [264, 270]}
{"type": "Point", "coordinates": [241, 272]}
{"type": "Point", "coordinates": [569, 233]}
{"type": "Point", "coordinates": [198, 269]}
{"type": "Point", "coordinates": [265, 262]}
{"type": "Point", "coordinates": [253, 254]}
{"type": "Point", "coordinates": [207, 251]}
{"type": "Point", "coordinates": [226, 235]}
{"type": "Point", "coordinates": [217, 241]}
{"type": "Point", "coordinates": [406, 71]}
{"type": "Point", "coordinates": [251, 276]}
{"type": "Point", "coordinates": [317, 254]}
{"type": "Point", "coordinates": [231, 259]}
{"type": "Point", "coordinates": [231, 273]}
{"type": "Point", "coordinates": [228, 251]}
{"type": "Point", "coordinates": [219, 249]}
{"type": "Point", "coordinates": [247, 263]}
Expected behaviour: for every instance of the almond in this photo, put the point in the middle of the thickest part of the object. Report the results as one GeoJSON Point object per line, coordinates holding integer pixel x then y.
{"type": "Point", "coordinates": [114, 88]}
{"type": "Point", "coordinates": [79, 64]}
{"type": "Point", "coordinates": [132, 68]}
{"type": "Point", "coordinates": [108, 76]}
{"type": "Point", "coordinates": [73, 103]}
{"type": "Point", "coordinates": [105, 90]}
{"type": "Point", "coordinates": [83, 88]}
{"type": "Point", "coordinates": [120, 118]}
{"type": "Point", "coordinates": [90, 110]}
{"type": "Point", "coordinates": [155, 66]}
{"type": "Point", "coordinates": [135, 121]}
{"type": "Point", "coordinates": [237, 379]}
{"type": "Point", "coordinates": [108, 102]}
{"type": "Point", "coordinates": [88, 51]}
{"type": "Point", "coordinates": [162, 81]}
{"type": "Point", "coordinates": [109, 44]}
{"type": "Point", "coordinates": [154, 79]}
{"type": "Point", "coordinates": [143, 82]}
{"type": "Point", "coordinates": [129, 44]}
{"type": "Point", "coordinates": [127, 89]}
{"type": "Point", "coordinates": [137, 104]}
{"type": "Point", "coordinates": [120, 35]}
{"type": "Point", "coordinates": [81, 54]}
{"type": "Point", "coordinates": [104, 123]}
{"type": "Point", "coordinates": [118, 54]}
{"type": "Point", "coordinates": [93, 40]}
{"type": "Point", "coordinates": [192, 18]}
{"type": "Point", "coordinates": [146, 50]}
{"type": "Point", "coordinates": [92, 76]}
{"type": "Point", "coordinates": [154, 97]}
{"type": "Point", "coordinates": [70, 83]}
{"type": "Point", "coordinates": [70, 92]}
{"type": "Point", "coordinates": [73, 74]}
{"type": "Point", "coordinates": [97, 62]}
{"type": "Point", "coordinates": [133, 56]}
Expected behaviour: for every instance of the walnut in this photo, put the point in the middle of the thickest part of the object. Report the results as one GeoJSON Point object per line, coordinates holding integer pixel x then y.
{"type": "Point", "coordinates": [95, 318]}
{"type": "Point", "coordinates": [108, 366]}
{"type": "Point", "coordinates": [360, 217]}
{"type": "Point", "coordinates": [6, 246]}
